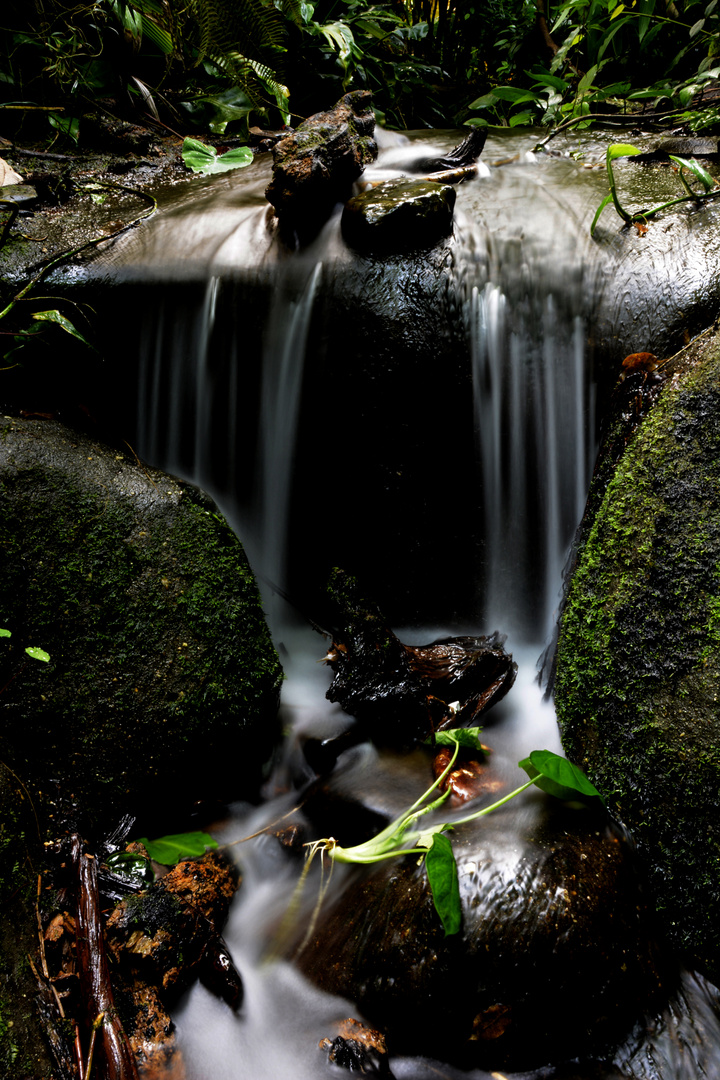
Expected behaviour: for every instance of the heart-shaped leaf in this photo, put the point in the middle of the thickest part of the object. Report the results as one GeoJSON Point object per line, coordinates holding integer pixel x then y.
{"type": "Point", "coordinates": [559, 777]}
{"type": "Point", "coordinates": [204, 159]}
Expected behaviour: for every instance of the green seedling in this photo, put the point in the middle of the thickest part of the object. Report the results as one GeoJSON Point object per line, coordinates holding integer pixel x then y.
{"type": "Point", "coordinates": [405, 835]}
{"type": "Point", "coordinates": [32, 650]}
{"type": "Point", "coordinates": [710, 190]}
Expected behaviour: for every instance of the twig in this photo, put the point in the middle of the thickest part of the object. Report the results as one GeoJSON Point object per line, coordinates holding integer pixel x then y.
{"type": "Point", "coordinates": [43, 958]}
{"type": "Point", "coordinates": [99, 1019]}
{"type": "Point", "coordinates": [14, 211]}
{"type": "Point", "coordinates": [621, 119]}
{"type": "Point", "coordinates": [265, 828]}
{"type": "Point", "coordinates": [47, 154]}
{"type": "Point", "coordinates": [65, 256]}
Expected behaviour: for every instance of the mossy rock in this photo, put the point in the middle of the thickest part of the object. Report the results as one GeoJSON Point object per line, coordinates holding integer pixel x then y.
{"type": "Point", "coordinates": [162, 684]}
{"type": "Point", "coordinates": [638, 663]}
{"type": "Point", "coordinates": [399, 215]}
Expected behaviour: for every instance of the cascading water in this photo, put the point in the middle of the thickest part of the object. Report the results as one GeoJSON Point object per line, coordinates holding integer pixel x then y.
{"type": "Point", "coordinates": [521, 287]}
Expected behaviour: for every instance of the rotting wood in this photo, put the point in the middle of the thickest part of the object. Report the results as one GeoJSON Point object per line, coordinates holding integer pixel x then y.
{"type": "Point", "coordinates": [97, 996]}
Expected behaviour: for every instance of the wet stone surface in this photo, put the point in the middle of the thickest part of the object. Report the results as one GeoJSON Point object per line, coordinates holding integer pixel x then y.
{"type": "Point", "coordinates": [399, 215]}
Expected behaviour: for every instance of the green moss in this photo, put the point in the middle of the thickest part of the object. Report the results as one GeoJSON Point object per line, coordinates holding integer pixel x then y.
{"type": "Point", "coordinates": [638, 671]}
{"type": "Point", "coordinates": [162, 670]}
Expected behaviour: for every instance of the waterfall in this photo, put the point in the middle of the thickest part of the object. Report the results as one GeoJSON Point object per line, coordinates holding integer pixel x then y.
{"type": "Point", "coordinates": [453, 460]}
{"type": "Point", "coordinates": [533, 420]}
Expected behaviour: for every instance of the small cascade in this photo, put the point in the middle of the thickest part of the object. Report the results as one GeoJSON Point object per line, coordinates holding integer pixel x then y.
{"type": "Point", "coordinates": [281, 395]}
{"type": "Point", "coordinates": [533, 416]}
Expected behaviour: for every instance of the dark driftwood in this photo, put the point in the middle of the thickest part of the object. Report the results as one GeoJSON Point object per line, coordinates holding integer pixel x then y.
{"type": "Point", "coordinates": [399, 693]}
{"type": "Point", "coordinates": [116, 1056]}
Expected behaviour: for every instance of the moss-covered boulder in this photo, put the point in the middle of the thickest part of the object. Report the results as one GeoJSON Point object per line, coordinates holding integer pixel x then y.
{"type": "Point", "coordinates": [399, 215]}
{"type": "Point", "coordinates": [162, 683]}
{"type": "Point", "coordinates": [315, 166]}
{"type": "Point", "coordinates": [638, 663]}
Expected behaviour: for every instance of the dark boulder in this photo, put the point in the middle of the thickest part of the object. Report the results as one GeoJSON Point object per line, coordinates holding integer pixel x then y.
{"type": "Point", "coordinates": [315, 166]}
{"type": "Point", "coordinates": [399, 215]}
{"type": "Point", "coordinates": [554, 957]}
{"type": "Point", "coordinates": [162, 684]}
{"type": "Point", "coordinates": [638, 662]}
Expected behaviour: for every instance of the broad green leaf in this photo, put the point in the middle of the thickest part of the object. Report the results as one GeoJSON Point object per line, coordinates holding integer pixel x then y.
{"type": "Point", "coordinates": [696, 169]}
{"type": "Point", "coordinates": [5, 633]}
{"type": "Point", "coordinates": [617, 150]}
{"type": "Point", "coordinates": [544, 78]}
{"type": "Point", "coordinates": [696, 28]}
{"type": "Point", "coordinates": [169, 850]}
{"type": "Point", "coordinates": [204, 159]}
{"type": "Point", "coordinates": [587, 79]}
{"type": "Point", "coordinates": [442, 875]}
{"type": "Point", "coordinates": [458, 736]}
{"type": "Point", "coordinates": [38, 654]}
{"type": "Point", "coordinates": [158, 35]}
{"type": "Point", "coordinates": [617, 11]}
{"type": "Point", "coordinates": [559, 777]}
{"type": "Point", "coordinates": [55, 317]}
{"type": "Point", "coordinates": [514, 94]}
{"type": "Point", "coordinates": [522, 119]}
{"type": "Point", "coordinates": [68, 125]}
{"type": "Point", "coordinates": [484, 102]}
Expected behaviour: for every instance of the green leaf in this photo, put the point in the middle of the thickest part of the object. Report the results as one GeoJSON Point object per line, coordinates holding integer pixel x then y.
{"type": "Point", "coordinates": [55, 317]}
{"type": "Point", "coordinates": [617, 150]}
{"type": "Point", "coordinates": [5, 633]}
{"type": "Point", "coordinates": [68, 125]}
{"type": "Point", "coordinates": [514, 94]}
{"type": "Point", "coordinates": [38, 654]}
{"type": "Point", "coordinates": [484, 102]}
{"type": "Point", "coordinates": [204, 159]}
{"type": "Point", "coordinates": [169, 850]}
{"type": "Point", "coordinates": [559, 777]}
{"type": "Point", "coordinates": [458, 736]}
{"type": "Point", "coordinates": [598, 212]}
{"type": "Point", "coordinates": [696, 169]}
{"type": "Point", "coordinates": [587, 79]}
{"type": "Point", "coordinates": [442, 875]}
{"type": "Point", "coordinates": [522, 119]}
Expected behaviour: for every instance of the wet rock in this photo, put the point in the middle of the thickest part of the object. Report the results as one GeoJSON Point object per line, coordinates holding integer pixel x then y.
{"type": "Point", "coordinates": [554, 958]}
{"type": "Point", "coordinates": [399, 215]}
{"type": "Point", "coordinates": [164, 932]}
{"type": "Point", "coordinates": [690, 146]}
{"type": "Point", "coordinates": [316, 165]}
{"type": "Point", "coordinates": [402, 693]}
{"type": "Point", "coordinates": [358, 1048]}
{"type": "Point", "coordinates": [159, 651]}
{"type": "Point", "coordinates": [638, 662]}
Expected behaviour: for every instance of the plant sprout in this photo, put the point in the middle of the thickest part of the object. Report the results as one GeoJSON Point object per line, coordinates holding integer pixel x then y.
{"type": "Point", "coordinates": [406, 836]}
{"type": "Point", "coordinates": [618, 150]}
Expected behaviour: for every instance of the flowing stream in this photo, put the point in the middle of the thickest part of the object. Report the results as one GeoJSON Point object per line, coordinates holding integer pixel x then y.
{"type": "Point", "coordinates": [523, 289]}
